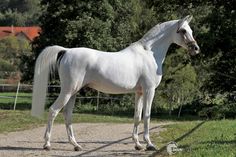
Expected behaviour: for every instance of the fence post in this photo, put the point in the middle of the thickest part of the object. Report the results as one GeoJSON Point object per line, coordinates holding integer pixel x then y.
{"type": "Point", "coordinates": [98, 100]}
{"type": "Point", "coordinates": [181, 105]}
{"type": "Point", "coordinates": [17, 91]}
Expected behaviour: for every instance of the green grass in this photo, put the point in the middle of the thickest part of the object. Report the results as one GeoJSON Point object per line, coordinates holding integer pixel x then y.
{"type": "Point", "coordinates": [22, 97]}
{"type": "Point", "coordinates": [21, 120]}
{"type": "Point", "coordinates": [17, 120]}
{"type": "Point", "coordinates": [200, 139]}
{"type": "Point", "coordinates": [14, 94]}
{"type": "Point", "coordinates": [23, 101]}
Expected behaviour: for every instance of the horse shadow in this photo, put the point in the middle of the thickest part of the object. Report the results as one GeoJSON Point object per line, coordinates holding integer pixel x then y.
{"type": "Point", "coordinates": [11, 148]}
{"type": "Point", "coordinates": [220, 142]}
{"type": "Point", "coordinates": [162, 149]}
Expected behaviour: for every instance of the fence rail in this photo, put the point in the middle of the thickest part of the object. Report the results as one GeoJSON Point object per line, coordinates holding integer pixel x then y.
{"type": "Point", "coordinates": [21, 88]}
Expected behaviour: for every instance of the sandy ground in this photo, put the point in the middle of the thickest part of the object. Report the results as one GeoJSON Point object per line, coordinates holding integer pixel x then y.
{"type": "Point", "coordinates": [100, 140]}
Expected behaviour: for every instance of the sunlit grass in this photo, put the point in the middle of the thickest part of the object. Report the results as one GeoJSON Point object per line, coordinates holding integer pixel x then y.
{"type": "Point", "coordinates": [200, 139]}
{"type": "Point", "coordinates": [21, 120]}
{"type": "Point", "coordinates": [7, 100]}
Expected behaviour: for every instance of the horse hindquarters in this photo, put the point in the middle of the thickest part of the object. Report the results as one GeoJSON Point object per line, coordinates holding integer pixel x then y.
{"type": "Point", "coordinates": [45, 63]}
{"type": "Point", "coordinates": [70, 84]}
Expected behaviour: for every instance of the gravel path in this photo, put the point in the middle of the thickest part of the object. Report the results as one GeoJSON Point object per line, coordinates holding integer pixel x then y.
{"type": "Point", "coordinates": [97, 139]}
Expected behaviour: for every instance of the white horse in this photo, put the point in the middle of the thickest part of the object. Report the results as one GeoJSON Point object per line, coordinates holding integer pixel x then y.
{"type": "Point", "coordinates": [135, 69]}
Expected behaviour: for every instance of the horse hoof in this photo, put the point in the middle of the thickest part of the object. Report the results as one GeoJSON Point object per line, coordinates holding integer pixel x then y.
{"type": "Point", "coordinates": [47, 148]}
{"type": "Point", "coordinates": [151, 148]}
{"type": "Point", "coordinates": [138, 148]}
{"type": "Point", "coordinates": [77, 148]}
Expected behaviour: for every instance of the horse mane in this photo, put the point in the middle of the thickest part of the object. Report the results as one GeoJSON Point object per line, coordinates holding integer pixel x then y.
{"type": "Point", "coordinates": [152, 32]}
{"type": "Point", "coordinates": [156, 31]}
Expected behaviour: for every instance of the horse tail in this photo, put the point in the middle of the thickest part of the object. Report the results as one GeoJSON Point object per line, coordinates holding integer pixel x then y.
{"type": "Point", "coordinates": [46, 63]}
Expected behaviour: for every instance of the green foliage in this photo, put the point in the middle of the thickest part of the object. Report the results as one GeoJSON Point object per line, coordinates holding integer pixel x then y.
{"type": "Point", "coordinates": [221, 44]}
{"type": "Point", "coordinates": [218, 106]}
{"type": "Point", "coordinates": [19, 13]}
{"type": "Point", "coordinates": [107, 104]}
{"type": "Point", "coordinates": [109, 26]}
{"type": "Point", "coordinates": [11, 49]}
{"type": "Point", "coordinates": [6, 66]}
{"type": "Point", "coordinates": [179, 85]}
{"type": "Point", "coordinates": [11, 17]}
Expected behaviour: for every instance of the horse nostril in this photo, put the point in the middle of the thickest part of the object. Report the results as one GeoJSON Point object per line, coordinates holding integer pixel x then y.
{"type": "Point", "coordinates": [196, 48]}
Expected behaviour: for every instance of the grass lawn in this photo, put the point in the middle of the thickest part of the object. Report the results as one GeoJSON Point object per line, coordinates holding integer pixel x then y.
{"type": "Point", "coordinates": [23, 101]}
{"type": "Point", "coordinates": [21, 120]}
{"type": "Point", "coordinates": [200, 139]}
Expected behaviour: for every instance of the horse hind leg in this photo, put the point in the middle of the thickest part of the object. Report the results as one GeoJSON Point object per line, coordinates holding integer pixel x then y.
{"type": "Point", "coordinates": [60, 102]}
{"type": "Point", "coordinates": [68, 110]}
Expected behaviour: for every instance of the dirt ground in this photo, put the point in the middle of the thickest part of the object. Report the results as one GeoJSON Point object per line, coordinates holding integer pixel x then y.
{"type": "Point", "coordinates": [100, 140]}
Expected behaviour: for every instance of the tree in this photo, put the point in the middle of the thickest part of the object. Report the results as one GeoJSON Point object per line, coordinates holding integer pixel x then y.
{"type": "Point", "coordinates": [11, 48]}
{"type": "Point", "coordinates": [19, 13]}
{"type": "Point", "coordinates": [220, 44]}
{"type": "Point", "coordinates": [179, 85]}
{"type": "Point", "coordinates": [102, 24]}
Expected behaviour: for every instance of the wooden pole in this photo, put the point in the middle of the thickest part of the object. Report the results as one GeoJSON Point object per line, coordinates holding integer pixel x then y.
{"type": "Point", "coordinates": [98, 100]}
{"type": "Point", "coordinates": [180, 108]}
{"type": "Point", "coordinates": [17, 91]}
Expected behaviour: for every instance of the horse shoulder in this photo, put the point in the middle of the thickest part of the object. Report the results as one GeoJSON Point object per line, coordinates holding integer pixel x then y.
{"type": "Point", "coordinates": [150, 72]}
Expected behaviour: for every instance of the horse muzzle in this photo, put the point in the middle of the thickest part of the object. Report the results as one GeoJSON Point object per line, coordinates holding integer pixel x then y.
{"type": "Point", "coordinates": [193, 48]}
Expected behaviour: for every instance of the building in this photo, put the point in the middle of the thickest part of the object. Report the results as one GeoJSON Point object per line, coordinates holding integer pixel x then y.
{"type": "Point", "coordinates": [28, 33]}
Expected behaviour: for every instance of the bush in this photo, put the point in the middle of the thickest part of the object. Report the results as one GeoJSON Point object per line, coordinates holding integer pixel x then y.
{"type": "Point", "coordinates": [6, 66]}
{"type": "Point", "coordinates": [219, 106]}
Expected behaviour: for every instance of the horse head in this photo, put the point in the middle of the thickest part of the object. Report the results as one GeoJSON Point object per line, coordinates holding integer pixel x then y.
{"type": "Point", "coordinates": [183, 36]}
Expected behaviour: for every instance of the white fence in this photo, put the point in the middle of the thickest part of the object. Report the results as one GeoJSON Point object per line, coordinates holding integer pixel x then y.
{"type": "Point", "coordinates": [26, 88]}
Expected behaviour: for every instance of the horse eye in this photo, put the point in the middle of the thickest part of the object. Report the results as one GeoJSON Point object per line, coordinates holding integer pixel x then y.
{"type": "Point", "coordinates": [183, 31]}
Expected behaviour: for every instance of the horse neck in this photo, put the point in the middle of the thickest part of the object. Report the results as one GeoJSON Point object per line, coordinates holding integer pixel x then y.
{"type": "Point", "coordinates": [161, 42]}
{"type": "Point", "coordinates": [160, 49]}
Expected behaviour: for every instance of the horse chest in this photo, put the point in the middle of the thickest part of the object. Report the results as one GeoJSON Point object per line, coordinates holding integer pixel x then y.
{"type": "Point", "coordinates": [152, 73]}
{"type": "Point", "coordinates": [153, 79]}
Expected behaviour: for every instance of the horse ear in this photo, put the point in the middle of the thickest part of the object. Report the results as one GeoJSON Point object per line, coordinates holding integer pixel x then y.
{"type": "Point", "coordinates": [181, 21]}
{"type": "Point", "coordinates": [189, 18]}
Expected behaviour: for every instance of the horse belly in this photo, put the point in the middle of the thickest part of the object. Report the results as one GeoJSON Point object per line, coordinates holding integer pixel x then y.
{"type": "Point", "coordinates": [113, 85]}
{"type": "Point", "coordinates": [111, 89]}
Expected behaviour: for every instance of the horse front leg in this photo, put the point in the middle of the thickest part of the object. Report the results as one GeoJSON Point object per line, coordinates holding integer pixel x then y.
{"type": "Point", "coordinates": [68, 110]}
{"type": "Point", "coordinates": [147, 102]}
{"type": "Point", "coordinates": [137, 119]}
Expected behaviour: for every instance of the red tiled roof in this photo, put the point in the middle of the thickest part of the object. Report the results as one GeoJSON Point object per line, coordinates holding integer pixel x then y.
{"type": "Point", "coordinates": [29, 32]}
